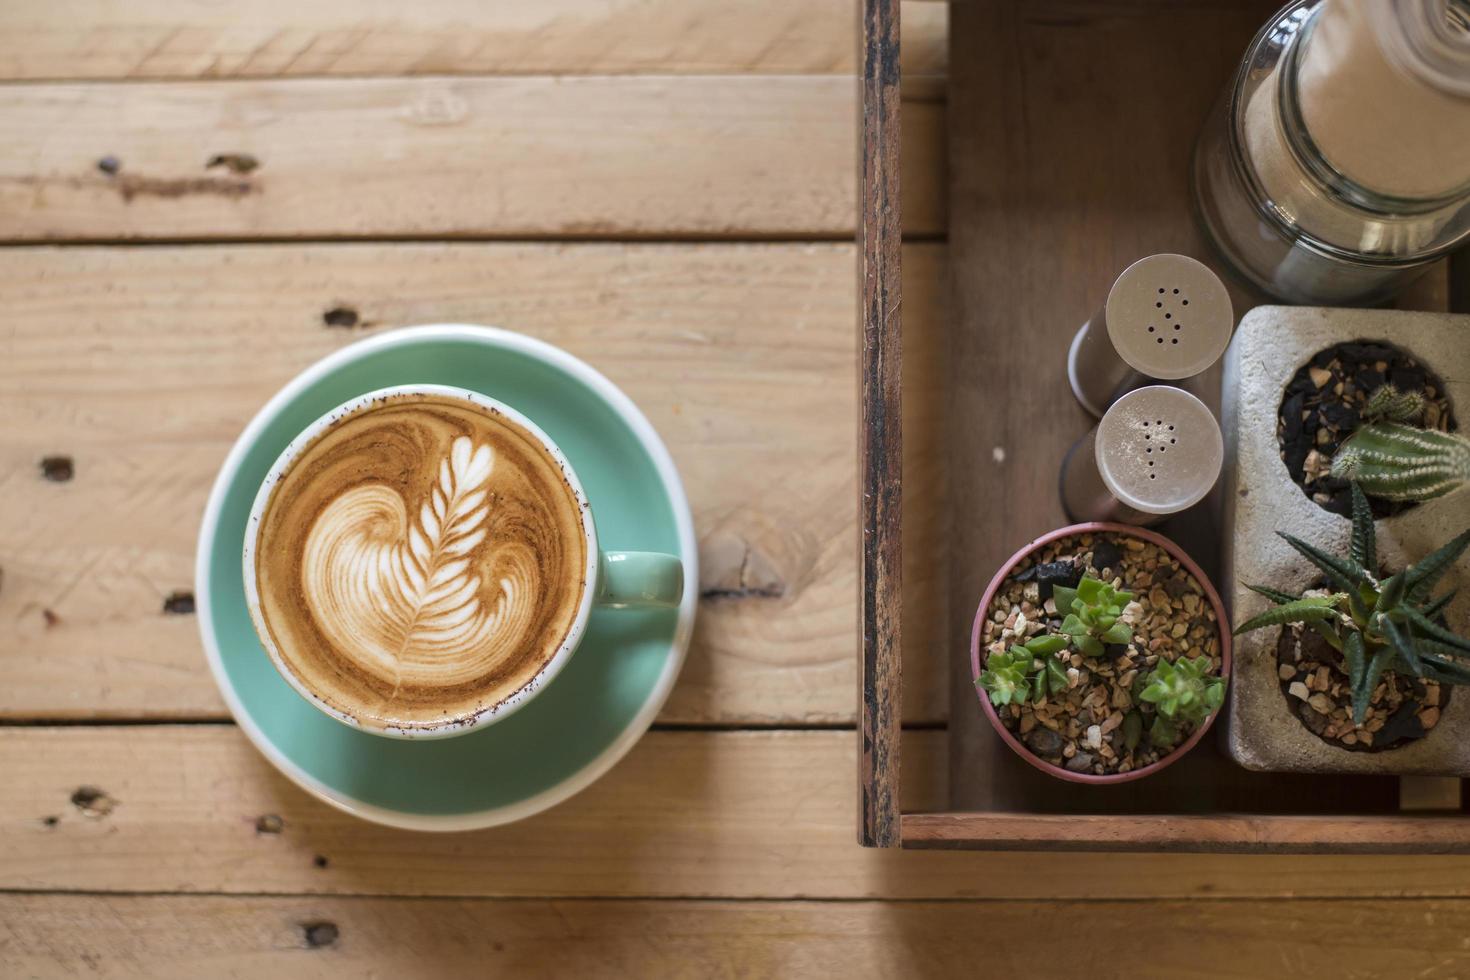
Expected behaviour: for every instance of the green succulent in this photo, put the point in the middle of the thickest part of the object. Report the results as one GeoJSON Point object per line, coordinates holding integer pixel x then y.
{"type": "Point", "coordinates": [1391, 405]}
{"type": "Point", "coordinates": [1393, 460]}
{"type": "Point", "coordinates": [1374, 624]}
{"type": "Point", "coordinates": [1183, 694]}
{"type": "Point", "coordinates": [1091, 614]}
{"type": "Point", "coordinates": [1013, 676]}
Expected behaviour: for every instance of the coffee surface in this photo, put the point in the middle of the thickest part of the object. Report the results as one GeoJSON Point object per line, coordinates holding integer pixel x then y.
{"type": "Point", "coordinates": [421, 560]}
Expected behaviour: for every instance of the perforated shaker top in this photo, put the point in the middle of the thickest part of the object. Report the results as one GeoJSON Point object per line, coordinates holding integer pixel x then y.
{"type": "Point", "coordinates": [1169, 316]}
{"type": "Point", "coordinates": [1159, 449]}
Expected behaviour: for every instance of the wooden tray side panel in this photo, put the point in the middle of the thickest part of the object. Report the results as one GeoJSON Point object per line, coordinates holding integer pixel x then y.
{"type": "Point", "coordinates": [880, 436]}
{"type": "Point", "coordinates": [1227, 833]}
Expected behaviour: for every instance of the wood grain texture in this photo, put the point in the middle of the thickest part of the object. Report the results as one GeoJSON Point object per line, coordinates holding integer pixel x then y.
{"type": "Point", "coordinates": [142, 366]}
{"type": "Point", "coordinates": [180, 39]}
{"type": "Point", "coordinates": [444, 158]}
{"type": "Point", "coordinates": [1373, 834]}
{"type": "Point", "coordinates": [880, 430]}
{"type": "Point", "coordinates": [165, 937]}
{"type": "Point", "coordinates": [686, 814]}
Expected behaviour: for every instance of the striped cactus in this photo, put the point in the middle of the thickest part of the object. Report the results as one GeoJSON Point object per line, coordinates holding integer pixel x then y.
{"type": "Point", "coordinates": [1389, 404]}
{"type": "Point", "coordinates": [1399, 462]}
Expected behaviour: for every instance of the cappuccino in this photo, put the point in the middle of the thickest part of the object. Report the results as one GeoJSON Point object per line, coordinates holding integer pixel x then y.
{"type": "Point", "coordinates": [419, 561]}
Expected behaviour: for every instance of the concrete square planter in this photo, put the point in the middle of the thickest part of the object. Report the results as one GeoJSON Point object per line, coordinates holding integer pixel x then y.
{"type": "Point", "coordinates": [1259, 497]}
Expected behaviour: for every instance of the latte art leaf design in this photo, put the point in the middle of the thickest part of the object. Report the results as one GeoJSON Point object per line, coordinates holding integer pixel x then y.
{"type": "Point", "coordinates": [403, 596]}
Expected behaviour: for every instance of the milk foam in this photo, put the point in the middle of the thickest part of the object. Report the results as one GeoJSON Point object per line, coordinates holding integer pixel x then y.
{"type": "Point", "coordinates": [401, 595]}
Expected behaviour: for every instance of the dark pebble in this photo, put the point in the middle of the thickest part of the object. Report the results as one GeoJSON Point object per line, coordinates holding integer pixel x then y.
{"type": "Point", "coordinates": [1291, 417]}
{"type": "Point", "coordinates": [1106, 554]}
{"type": "Point", "coordinates": [1081, 762]}
{"type": "Point", "coordinates": [1324, 357]}
{"type": "Point", "coordinates": [1294, 455]}
{"type": "Point", "coordinates": [1302, 385]}
{"type": "Point", "coordinates": [1366, 352]}
{"type": "Point", "coordinates": [1369, 381]}
{"type": "Point", "coordinates": [1176, 585]}
{"type": "Point", "coordinates": [1315, 649]}
{"type": "Point", "coordinates": [1406, 378]}
{"type": "Point", "coordinates": [1044, 742]}
{"type": "Point", "coordinates": [1402, 724]}
{"type": "Point", "coordinates": [1051, 574]}
{"type": "Point", "coordinates": [1340, 504]}
{"type": "Point", "coordinates": [1317, 723]}
{"type": "Point", "coordinates": [1342, 417]}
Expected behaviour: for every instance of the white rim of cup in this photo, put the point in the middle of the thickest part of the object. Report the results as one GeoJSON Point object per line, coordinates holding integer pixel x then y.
{"type": "Point", "coordinates": [631, 733]}
{"type": "Point", "coordinates": [459, 725]}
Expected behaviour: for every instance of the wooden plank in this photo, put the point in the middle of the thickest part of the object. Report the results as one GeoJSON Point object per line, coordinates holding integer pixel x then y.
{"type": "Point", "coordinates": [181, 39]}
{"type": "Point", "coordinates": [442, 157]}
{"type": "Point", "coordinates": [880, 431]}
{"type": "Point", "coordinates": [687, 814]}
{"type": "Point", "coordinates": [166, 936]}
{"type": "Point", "coordinates": [1230, 833]}
{"type": "Point", "coordinates": [143, 364]}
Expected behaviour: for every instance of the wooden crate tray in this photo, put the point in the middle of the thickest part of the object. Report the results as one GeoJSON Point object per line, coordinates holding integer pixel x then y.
{"type": "Point", "coordinates": [1070, 128]}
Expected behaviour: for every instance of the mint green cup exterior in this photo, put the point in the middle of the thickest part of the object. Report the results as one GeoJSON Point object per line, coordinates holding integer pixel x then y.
{"type": "Point", "coordinates": [618, 579]}
{"type": "Point", "coordinates": [586, 718]}
{"type": "Point", "coordinates": [629, 579]}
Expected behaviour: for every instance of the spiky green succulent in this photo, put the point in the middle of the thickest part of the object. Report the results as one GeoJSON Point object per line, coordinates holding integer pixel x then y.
{"type": "Point", "coordinates": [1388, 404]}
{"type": "Point", "coordinates": [1183, 694]}
{"type": "Point", "coordinates": [1012, 676]}
{"type": "Point", "coordinates": [1397, 461]}
{"type": "Point", "coordinates": [1375, 624]}
{"type": "Point", "coordinates": [1091, 615]}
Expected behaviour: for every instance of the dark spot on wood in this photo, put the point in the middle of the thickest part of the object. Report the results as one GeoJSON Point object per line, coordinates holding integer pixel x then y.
{"type": "Point", "coordinates": [341, 316]}
{"type": "Point", "coordinates": [757, 592]}
{"type": "Point", "coordinates": [179, 603]}
{"type": "Point", "coordinates": [732, 569]}
{"type": "Point", "coordinates": [51, 821]}
{"type": "Point", "coordinates": [498, 947]}
{"type": "Point", "coordinates": [109, 165]}
{"type": "Point", "coordinates": [51, 618]}
{"type": "Point", "coordinates": [93, 802]}
{"type": "Point", "coordinates": [57, 469]}
{"type": "Point", "coordinates": [320, 861]}
{"type": "Point", "coordinates": [269, 823]}
{"type": "Point", "coordinates": [240, 163]}
{"type": "Point", "coordinates": [129, 186]}
{"type": "Point", "coordinates": [319, 934]}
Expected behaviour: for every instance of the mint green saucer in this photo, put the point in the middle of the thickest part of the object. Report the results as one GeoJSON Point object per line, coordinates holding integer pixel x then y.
{"type": "Point", "coordinates": [584, 720]}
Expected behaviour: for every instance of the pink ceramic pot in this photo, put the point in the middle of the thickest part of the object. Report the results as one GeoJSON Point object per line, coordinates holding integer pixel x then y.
{"type": "Point", "coordinates": [1096, 527]}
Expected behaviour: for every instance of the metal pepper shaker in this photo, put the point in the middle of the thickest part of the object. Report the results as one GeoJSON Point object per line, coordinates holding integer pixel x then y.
{"type": "Point", "coordinates": [1157, 451]}
{"type": "Point", "coordinates": [1166, 317]}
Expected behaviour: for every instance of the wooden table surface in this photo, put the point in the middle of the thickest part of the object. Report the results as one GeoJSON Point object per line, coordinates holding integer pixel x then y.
{"type": "Point", "coordinates": [199, 199]}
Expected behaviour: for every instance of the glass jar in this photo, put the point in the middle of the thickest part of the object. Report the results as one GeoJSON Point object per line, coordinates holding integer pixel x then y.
{"type": "Point", "coordinates": [1336, 166]}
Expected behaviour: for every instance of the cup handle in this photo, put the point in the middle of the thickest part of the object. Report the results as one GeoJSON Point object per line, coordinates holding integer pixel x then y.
{"type": "Point", "coordinates": [639, 579]}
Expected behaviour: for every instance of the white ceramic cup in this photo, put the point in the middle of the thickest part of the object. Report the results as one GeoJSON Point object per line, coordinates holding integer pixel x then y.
{"type": "Point", "coordinates": [620, 580]}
